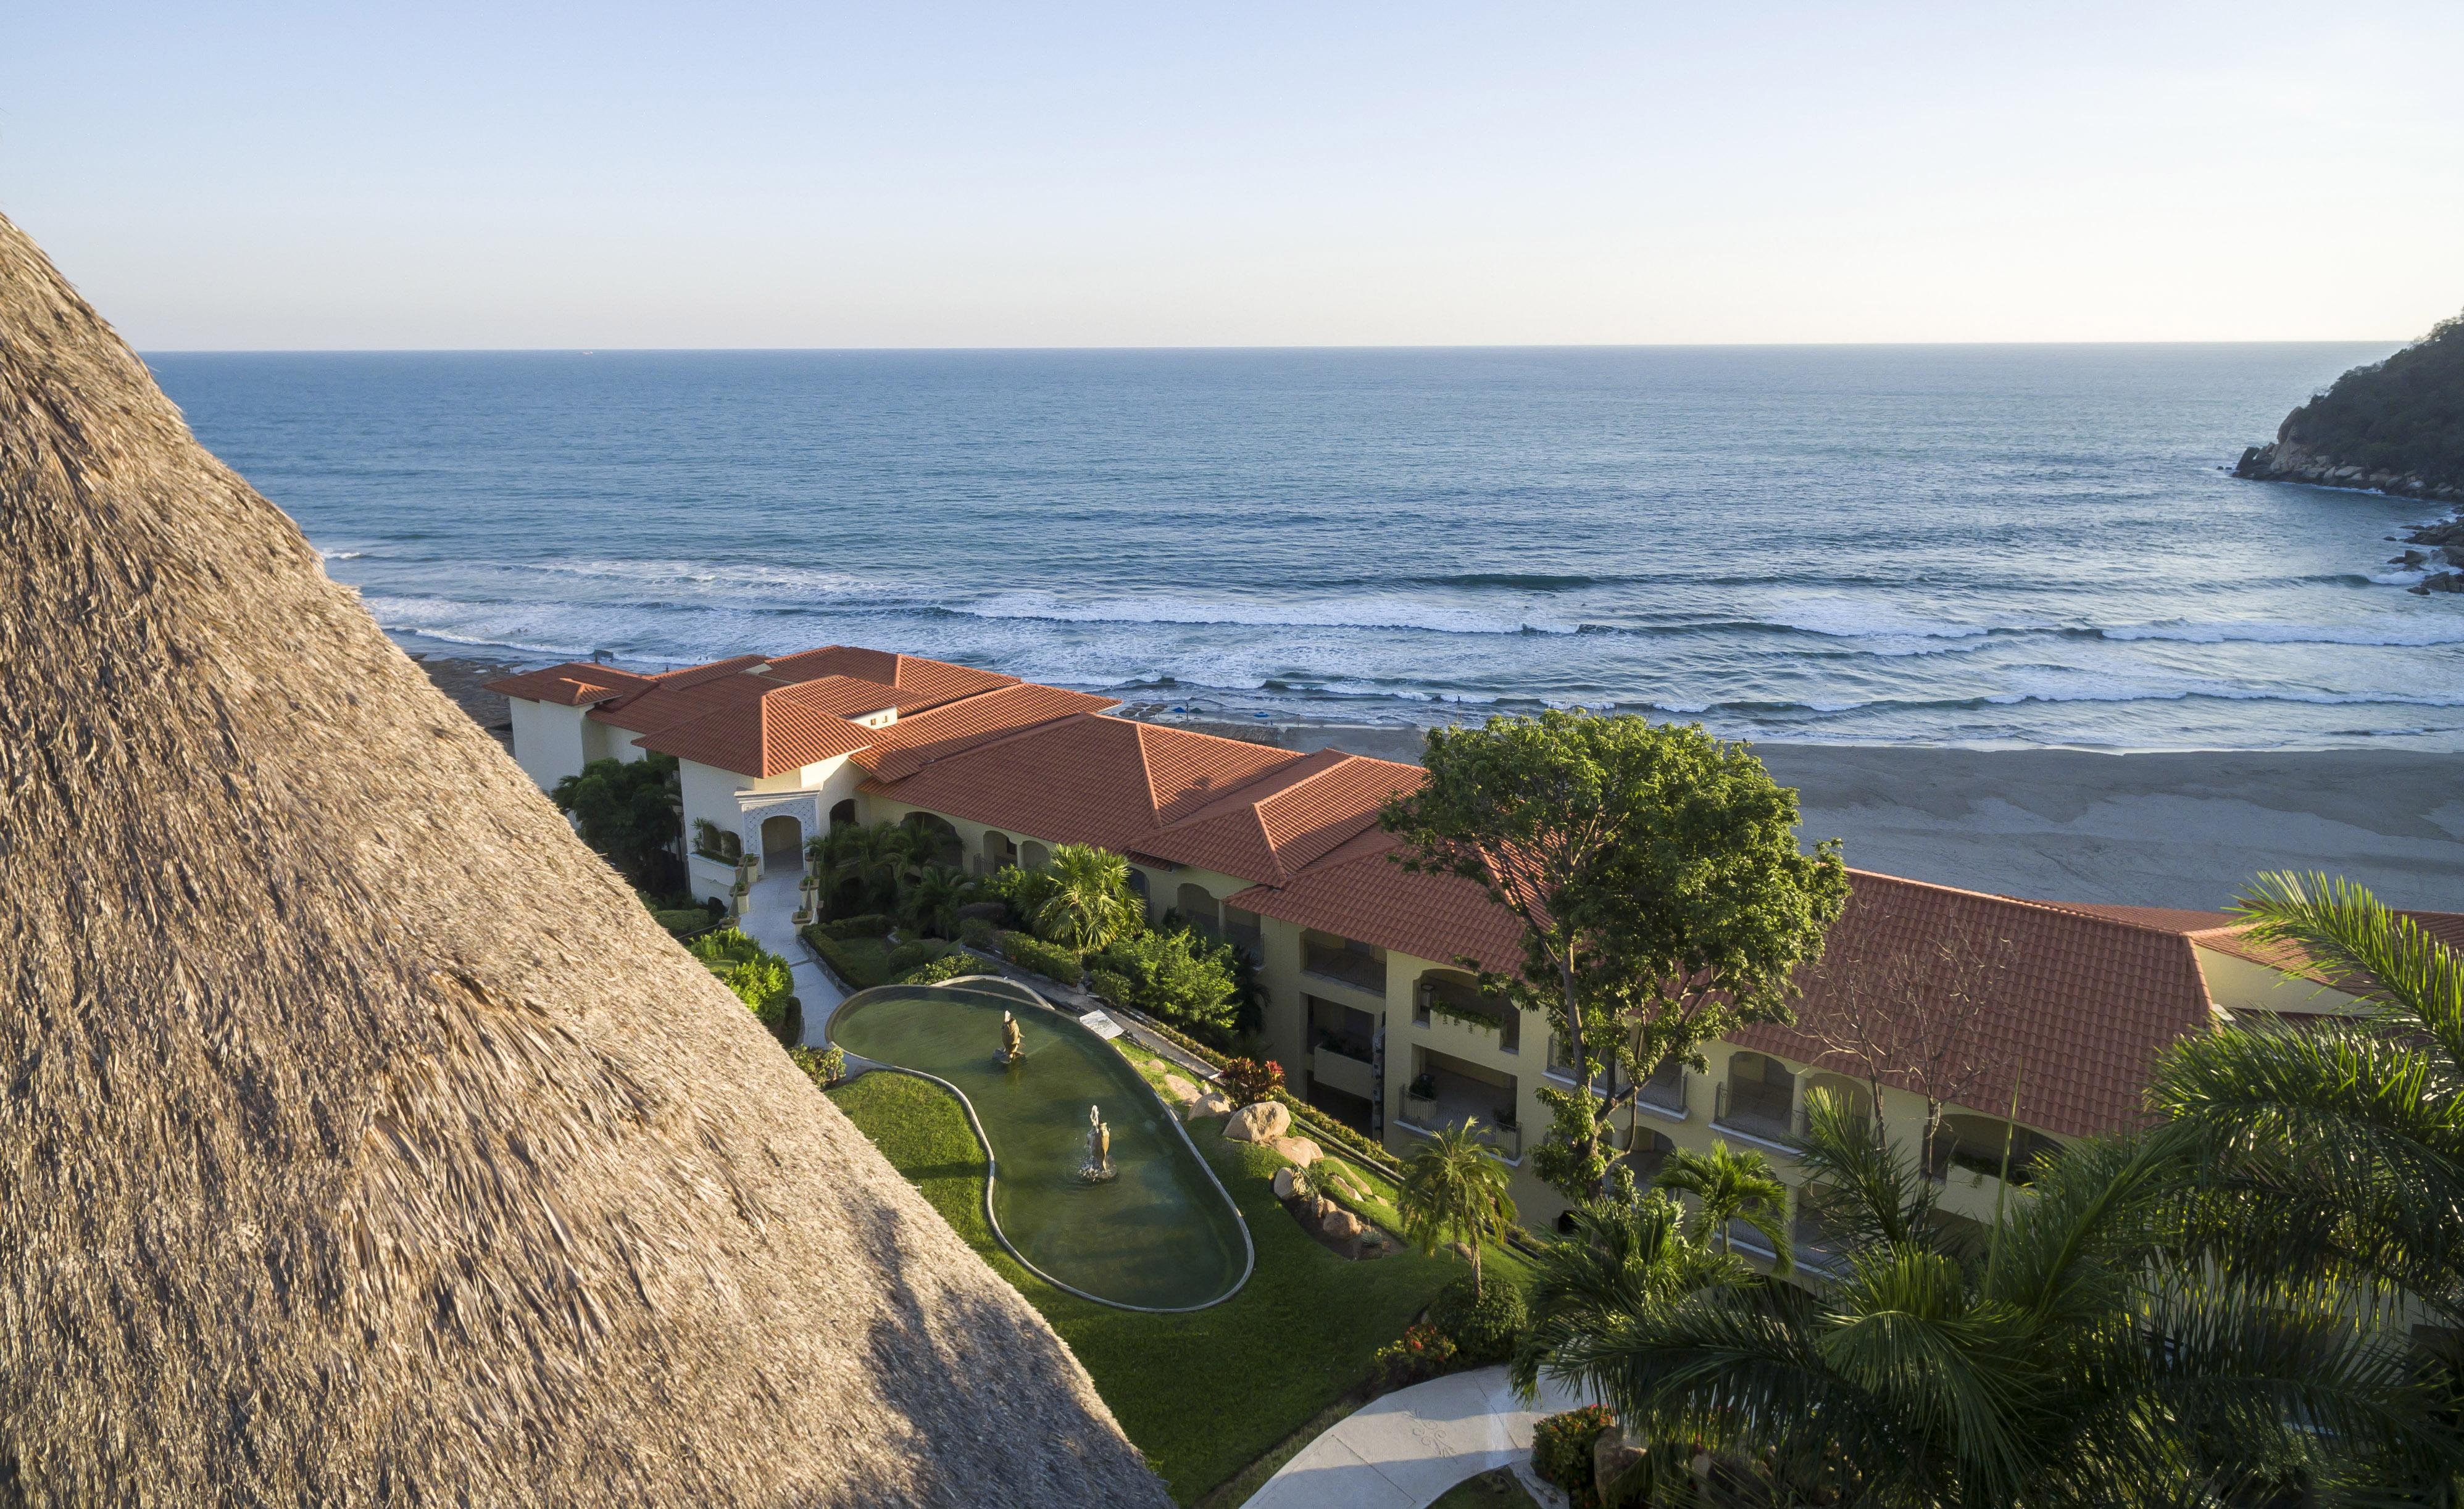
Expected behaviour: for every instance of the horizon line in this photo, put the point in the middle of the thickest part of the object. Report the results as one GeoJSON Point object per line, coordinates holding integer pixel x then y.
{"type": "Point", "coordinates": [1029, 350]}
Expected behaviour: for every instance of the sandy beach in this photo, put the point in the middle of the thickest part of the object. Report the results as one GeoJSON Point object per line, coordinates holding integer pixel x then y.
{"type": "Point", "coordinates": [2153, 830]}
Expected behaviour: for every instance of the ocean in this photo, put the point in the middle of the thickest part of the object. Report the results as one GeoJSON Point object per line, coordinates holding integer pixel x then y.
{"type": "Point", "coordinates": [1986, 546]}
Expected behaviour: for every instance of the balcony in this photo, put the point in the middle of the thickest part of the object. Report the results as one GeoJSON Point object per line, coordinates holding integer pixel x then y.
{"type": "Point", "coordinates": [1455, 1002]}
{"type": "Point", "coordinates": [1438, 1098]}
{"type": "Point", "coordinates": [1762, 1112]}
{"type": "Point", "coordinates": [1362, 971]}
{"type": "Point", "coordinates": [1664, 1093]}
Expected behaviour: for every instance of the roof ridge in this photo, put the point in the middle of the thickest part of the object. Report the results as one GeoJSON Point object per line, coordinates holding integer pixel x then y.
{"type": "Point", "coordinates": [2079, 910]}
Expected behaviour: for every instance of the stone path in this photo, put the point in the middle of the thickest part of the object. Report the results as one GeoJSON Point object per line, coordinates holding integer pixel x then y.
{"type": "Point", "coordinates": [1405, 1451]}
{"type": "Point", "coordinates": [770, 920]}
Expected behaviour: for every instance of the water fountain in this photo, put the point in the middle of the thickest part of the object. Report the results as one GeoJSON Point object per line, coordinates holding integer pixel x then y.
{"type": "Point", "coordinates": [1099, 1167]}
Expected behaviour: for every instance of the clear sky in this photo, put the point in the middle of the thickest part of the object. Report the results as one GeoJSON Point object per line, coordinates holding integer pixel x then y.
{"type": "Point", "coordinates": [515, 174]}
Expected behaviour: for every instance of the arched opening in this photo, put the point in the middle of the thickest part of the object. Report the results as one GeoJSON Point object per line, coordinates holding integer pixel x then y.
{"type": "Point", "coordinates": [1649, 1155]}
{"type": "Point", "coordinates": [1974, 1146]}
{"type": "Point", "coordinates": [1454, 996]}
{"type": "Point", "coordinates": [1855, 1098]}
{"type": "Point", "coordinates": [1758, 1097]}
{"type": "Point", "coordinates": [1033, 855]}
{"type": "Point", "coordinates": [999, 852]}
{"type": "Point", "coordinates": [1195, 905]}
{"type": "Point", "coordinates": [949, 850]}
{"type": "Point", "coordinates": [843, 814]}
{"type": "Point", "coordinates": [783, 843]}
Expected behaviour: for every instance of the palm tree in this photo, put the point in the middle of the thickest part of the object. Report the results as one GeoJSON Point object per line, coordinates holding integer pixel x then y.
{"type": "Point", "coordinates": [1454, 1191]}
{"type": "Point", "coordinates": [1732, 1187]}
{"type": "Point", "coordinates": [838, 859]}
{"type": "Point", "coordinates": [932, 903]}
{"type": "Point", "coordinates": [1091, 903]}
{"type": "Point", "coordinates": [2072, 1358]}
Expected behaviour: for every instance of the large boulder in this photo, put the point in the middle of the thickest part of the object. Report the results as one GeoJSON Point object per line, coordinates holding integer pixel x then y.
{"type": "Point", "coordinates": [1611, 1459]}
{"type": "Point", "coordinates": [1214, 1103]}
{"type": "Point", "coordinates": [1341, 1224]}
{"type": "Point", "coordinates": [1181, 1091]}
{"type": "Point", "coordinates": [1299, 1149]}
{"type": "Point", "coordinates": [1264, 1122]}
{"type": "Point", "coordinates": [1284, 1184]}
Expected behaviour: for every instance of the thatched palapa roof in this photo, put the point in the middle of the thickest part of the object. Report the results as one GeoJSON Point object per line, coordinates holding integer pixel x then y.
{"type": "Point", "coordinates": [360, 1138]}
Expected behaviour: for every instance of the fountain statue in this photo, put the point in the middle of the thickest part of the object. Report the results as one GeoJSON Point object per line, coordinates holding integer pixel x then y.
{"type": "Point", "coordinates": [1099, 1148]}
{"type": "Point", "coordinates": [1013, 1044]}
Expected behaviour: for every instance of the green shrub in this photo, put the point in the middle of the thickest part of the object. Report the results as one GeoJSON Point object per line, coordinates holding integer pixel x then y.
{"type": "Point", "coordinates": [856, 961]}
{"type": "Point", "coordinates": [1050, 960]}
{"type": "Point", "coordinates": [977, 933]}
{"type": "Point", "coordinates": [682, 921]}
{"type": "Point", "coordinates": [912, 952]}
{"type": "Point", "coordinates": [1483, 1326]}
{"type": "Point", "coordinates": [870, 925]}
{"type": "Point", "coordinates": [824, 1066]}
{"type": "Point", "coordinates": [760, 978]}
{"type": "Point", "coordinates": [1561, 1451]}
{"type": "Point", "coordinates": [1424, 1353]}
{"type": "Point", "coordinates": [1178, 976]}
{"type": "Point", "coordinates": [1020, 892]}
{"type": "Point", "coordinates": [1113, 987]}
{"type": "Point", "coordinates": [948, 967]}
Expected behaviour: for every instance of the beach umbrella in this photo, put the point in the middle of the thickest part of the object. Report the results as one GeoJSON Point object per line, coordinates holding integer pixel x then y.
{"type": "Point", "coordinates": [360, 1136]}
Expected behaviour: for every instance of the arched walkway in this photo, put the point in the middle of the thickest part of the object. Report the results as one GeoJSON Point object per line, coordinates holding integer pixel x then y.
{"type": "Point", "coordinates": [1405, 1451]}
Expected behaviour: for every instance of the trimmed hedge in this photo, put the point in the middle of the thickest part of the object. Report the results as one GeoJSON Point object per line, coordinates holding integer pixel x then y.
{"type": "Point", "coordinates": [872, 924]}
{"type": "Point", "coordinates": [948, 967]}
{"type": "Point", "coordinates": [914, 951]}
{"type": "Point", "coordinates": [1113, 987]}
{"type": "Point", "coordinates": [824, 1066]}
{"type": "Point", "coordinates": [1561, 1451]}
{"type": "Point", "coordinates": [853, 971]}
{"type": "Point", "coordinates": [683, 922]}
{"type": "Point", "coordinates": [978, 932]}
{"type": "Point", "coordinates": [1050, 960]}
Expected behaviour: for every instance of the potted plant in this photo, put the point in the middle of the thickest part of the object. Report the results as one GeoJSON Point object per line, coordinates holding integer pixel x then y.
{"type": "Point", "coordinates": [1423, 1087]}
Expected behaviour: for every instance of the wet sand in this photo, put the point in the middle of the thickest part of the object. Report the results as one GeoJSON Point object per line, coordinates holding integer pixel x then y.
{"type": "Point", "coordinates": [2150, 830]}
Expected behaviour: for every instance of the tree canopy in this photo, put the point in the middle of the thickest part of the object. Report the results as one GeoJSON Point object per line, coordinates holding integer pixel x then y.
{"type": "Point", "coordinates": [2405, 414]}
{"type": "Point", "coordinates": [1657, 875]}
{"type": "Point", "coordinates": [632, 813]}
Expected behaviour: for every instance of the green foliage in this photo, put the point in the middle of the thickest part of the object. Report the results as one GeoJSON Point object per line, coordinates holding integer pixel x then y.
{"type": "Point", "coordinates": [912, 954]}
{"type": "Point", "coordinates": [1113, 987]}
{"type": "Point", "coordinates": [947, 966]}
{"type": "Point", "coordinates": [1656, 872]}
{"type": "Point", "coordinates": [1728, 1187]}
{"type": "Point", "coordinates": [1050, 960]}
{"type": "Point", "coordinates": [1484, 1323]}
{"type": "Point", "coordinates": [2405, 414]}
{"type": "Point", "coordinates": [1561, 1451]}
{"type": "Point", "coordinates": [1422, 1353]}
{"type": "Point", "coordinates": [1179, 977]}
{"type": "Point", "coordinates": [1024, 891]}
{"type": "Point", "coordinates": [932, 899]}
{"type": "Point", "coordinates": [863, 925]}
{"type": "Point", "coordinates": [1091, 903]}
{"type": "Point", "coordinates": [824, 1066]}
{"type": "Point", "coordinates": [760, 978]}
{"type": "Point", "coordinates": [1249, 1080]}
{"type": "Point", "coordinates": [683, 922]}
{"type": "Point", "coordinates": [714, 842]}
{"type": "Point", "coordinates": [1454, 1191]}
{"type": "Point", "coordinates": [632, 812]}
{"type": "Point", "coordinates": [978, 932]}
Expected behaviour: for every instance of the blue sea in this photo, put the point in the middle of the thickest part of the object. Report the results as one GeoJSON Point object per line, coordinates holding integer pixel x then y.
{"type": "Point", "coordinates": [2023, 545]}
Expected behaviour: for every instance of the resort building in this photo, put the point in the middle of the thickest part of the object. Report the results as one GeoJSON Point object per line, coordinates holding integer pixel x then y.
{"type": "Point", "coordinates": [2031, 1023]}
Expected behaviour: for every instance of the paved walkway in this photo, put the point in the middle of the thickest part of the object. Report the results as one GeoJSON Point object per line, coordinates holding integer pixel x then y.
{"type": "Point", "coordinates": [1405, 1451]}
{"type": "Point", "coordinates": [770, 920]}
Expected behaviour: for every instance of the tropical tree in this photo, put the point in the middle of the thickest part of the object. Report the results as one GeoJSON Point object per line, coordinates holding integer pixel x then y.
{"type": "Point", "coordinates": [1729, 1188]}
{"type": "Point", "coordinates": [632, 812]}
{"type": "Point", "coordinates": [1656, 874]}
{"type": "Point", "coordinates": [1454, 1191]}
{"type": "Point", "coordinates": [2073, 1357]}
{"type": "Point", "coordinates": [2334, 1151]}
{"type": "Point", "coordinates": [1091, 903]}
{"type": "Point", "coordinates": [932, 901]}
{"type": "Point", "coordinates": [837, 860]}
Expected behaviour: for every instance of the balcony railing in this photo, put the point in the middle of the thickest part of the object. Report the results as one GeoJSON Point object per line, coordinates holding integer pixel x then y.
{"type": "Point", "coordinates": [1344, 1047]}
{"type": "Point", "coordinates": [1348, 965]}
{"type": "Point", "coordinates": [1665, 1095]}
{"type": "Point", "coordinates": [1426, 1115]}
{"type": "Point", "coordinates": [1755, 1110]}
{"type": "Point", "coordinates": [1479, 1015]}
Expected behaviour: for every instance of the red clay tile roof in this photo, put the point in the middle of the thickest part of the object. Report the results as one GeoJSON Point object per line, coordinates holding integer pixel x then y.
{"type": "Point", "coordinates": [913, 742]}
{"type": "Point", "coordinates": [575, 683]}
{"type": "Point", "coordinates": [921, 683]}
{"type": "Point", "coordinates": [777, 734]}
{"type": "Point", "coordinates": [1356, 890]}
{"type": "Point", "coordinates": [839, 696]}
{"type": "Point", "coordinates": [1271, 828]}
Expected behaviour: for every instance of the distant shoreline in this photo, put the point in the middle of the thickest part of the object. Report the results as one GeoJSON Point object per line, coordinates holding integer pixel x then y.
{"type": "Point", "coordinates": [2167, 828]}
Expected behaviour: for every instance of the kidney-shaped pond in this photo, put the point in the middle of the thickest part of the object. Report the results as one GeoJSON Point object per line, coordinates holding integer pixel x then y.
{"type": "Point", "coordinates": [1161, 1234]}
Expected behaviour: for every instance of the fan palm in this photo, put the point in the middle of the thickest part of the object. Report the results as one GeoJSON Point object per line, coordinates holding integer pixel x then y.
{"type": "Point", "coordinates": [1731, 1187]}
{"type": "Point", "coordinates": [1454, 1191]}
{"type": "Point", "coordinates": [932, 903]}
{"type": "Point", "coordinates": [838, 859]}
{"type": "Point", "coordinates": [1091, 903]}
{"type": "Point", "coordinates": [2070, 1359]}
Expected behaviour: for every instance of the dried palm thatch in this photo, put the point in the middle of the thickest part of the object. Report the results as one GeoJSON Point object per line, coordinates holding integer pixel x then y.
{"type": "Point", "coordinates": [359, 1137]}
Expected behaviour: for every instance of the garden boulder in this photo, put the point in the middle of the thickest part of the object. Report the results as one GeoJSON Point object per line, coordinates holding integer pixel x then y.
{"type": "Point", "coordinates": [1299, 1149]}
{"type": "Point", "coordinates": [1179, 1089]}
{"type": "Point", "coordinates": [1341, 1225]}
{"type": "Point", "coordinates": [1264, 1122]}
{"type": "Point", "coordinates": [1214, 1103]}
{"type": "Point", "coordinates": [1283, 1184]}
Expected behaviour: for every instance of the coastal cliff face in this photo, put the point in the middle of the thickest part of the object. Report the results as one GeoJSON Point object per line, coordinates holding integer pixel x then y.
{"type": "Point", "coordinates": [2396, 427]}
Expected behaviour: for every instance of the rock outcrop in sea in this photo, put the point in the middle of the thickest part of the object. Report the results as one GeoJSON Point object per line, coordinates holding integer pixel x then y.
{"type": "Point", "coordinates": [2396, 427]}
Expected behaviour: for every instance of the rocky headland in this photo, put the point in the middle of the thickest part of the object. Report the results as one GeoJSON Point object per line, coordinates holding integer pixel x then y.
{"type": "Point", "coordinates": [2396, 427]}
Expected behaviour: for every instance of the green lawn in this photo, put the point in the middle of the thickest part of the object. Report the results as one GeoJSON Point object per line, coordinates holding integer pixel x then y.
{"type": "Point", "coordinates": [1200, 1394]}
{"type": "Point", "coordinates": [1494, 1489]}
